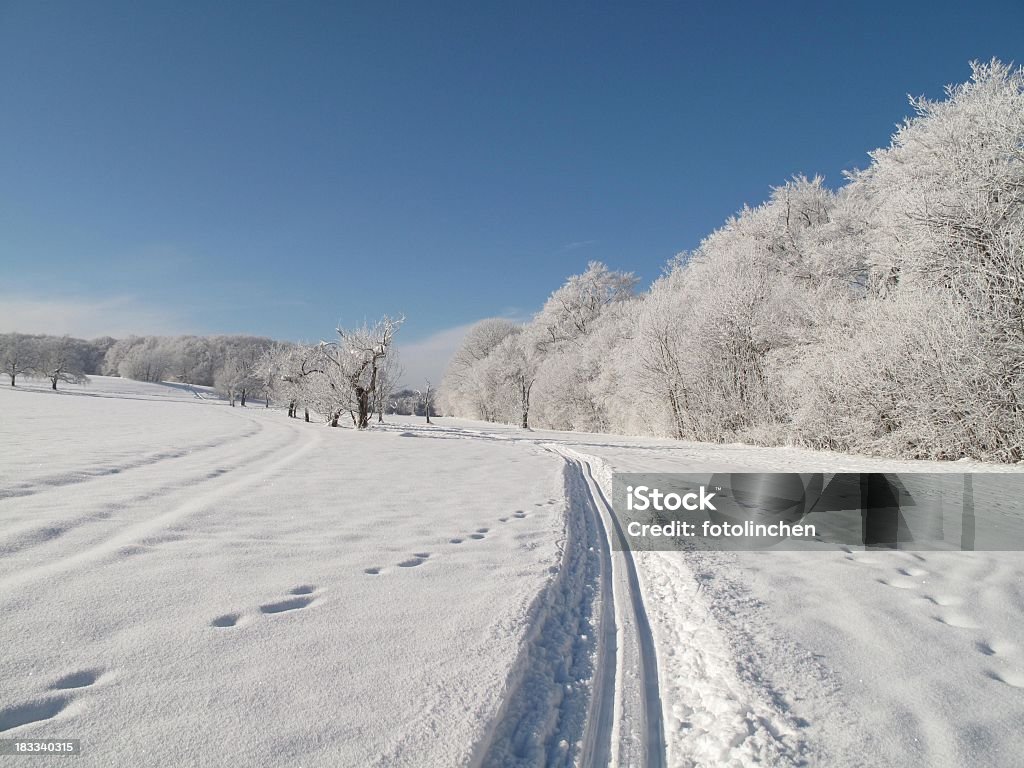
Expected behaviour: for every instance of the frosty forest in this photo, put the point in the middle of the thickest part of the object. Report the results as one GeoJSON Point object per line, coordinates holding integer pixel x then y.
{"type": "Point", "coordinates": [884, 318]}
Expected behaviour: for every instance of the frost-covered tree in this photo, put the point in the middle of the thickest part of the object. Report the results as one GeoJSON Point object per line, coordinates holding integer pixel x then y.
{"type": "Point", "coordinates": [61, 360]}
{"type": "Point", "coordinates": [19, 355]}
{"type": "Point", "coordinates": [469, 384]}
{"type": "Point", "coordinates": [571, 311]}
{"type": "Point", "coordinates": [388, 376]}
{"type": "Point", "coordinates": [885, 317]}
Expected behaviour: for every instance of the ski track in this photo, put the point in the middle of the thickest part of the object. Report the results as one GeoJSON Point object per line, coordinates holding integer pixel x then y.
{"type": "Point", "coordinates": [113, 538]}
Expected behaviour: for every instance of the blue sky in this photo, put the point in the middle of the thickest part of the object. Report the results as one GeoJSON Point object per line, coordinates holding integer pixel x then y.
{"type": "Point", "coordinates": [278, 168]}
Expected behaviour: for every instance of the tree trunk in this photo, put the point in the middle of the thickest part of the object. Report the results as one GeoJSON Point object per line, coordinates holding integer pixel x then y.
{"type": "Point", "coordinates": [307, 415]}
{"type": "Point", "coordinates": [53, 383]}
{"type": "Point", "coordinates": [12, 379]}
{"type": "Point", "coordinates": [243, 398]}
{"type": "Point", "coordinates": [364, 407]}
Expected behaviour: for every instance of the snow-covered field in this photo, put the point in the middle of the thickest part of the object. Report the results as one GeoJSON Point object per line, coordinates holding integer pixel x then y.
{"type": "Point", "coordinates": [185, 583]}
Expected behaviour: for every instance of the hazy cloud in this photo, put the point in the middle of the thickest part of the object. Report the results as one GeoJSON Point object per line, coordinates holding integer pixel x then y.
{"type": "Point", "coordinates": [428, 357]}
{"type": "Point", "coordinates": [578, 244]}
{"type": "Point", "coordinates": [86, 318]}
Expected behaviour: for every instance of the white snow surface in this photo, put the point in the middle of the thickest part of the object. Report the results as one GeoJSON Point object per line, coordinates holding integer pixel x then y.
{"type": "Point", "coordinates": [185, 583]}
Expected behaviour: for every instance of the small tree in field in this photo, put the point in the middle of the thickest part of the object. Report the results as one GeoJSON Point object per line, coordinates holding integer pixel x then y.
{"type": "Point", "coordinates": [19, 354]}
{"type": "Point", "coordinates": [426, 399]}
{"type": "Point", "coordinates": [60, 360]}
{"type": "Point", "coordinates": [365, 351]}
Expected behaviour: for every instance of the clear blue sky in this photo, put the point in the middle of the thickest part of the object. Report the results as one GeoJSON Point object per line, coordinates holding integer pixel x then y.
{"type": "Point", "coordinates": [276, 168]}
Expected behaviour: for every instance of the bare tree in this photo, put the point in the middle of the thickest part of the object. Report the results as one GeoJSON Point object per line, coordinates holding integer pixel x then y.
{"type": "Point", "coordinates": [426, 396]}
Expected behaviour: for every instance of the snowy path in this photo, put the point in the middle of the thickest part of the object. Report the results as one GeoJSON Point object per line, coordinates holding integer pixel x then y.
{"type": "Point", "coordinates": [638, 733]}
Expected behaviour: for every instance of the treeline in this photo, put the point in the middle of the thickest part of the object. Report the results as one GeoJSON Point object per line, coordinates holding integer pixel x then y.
{"type": "Point", "coordinates": [886, 317]}
{"type": "Point", "coordinates": [236, 365]}
{"type": "Point", "coordinates": [357, 374]}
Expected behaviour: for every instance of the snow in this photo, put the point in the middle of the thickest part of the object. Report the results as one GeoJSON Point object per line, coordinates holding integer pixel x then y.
{"type": "Point", "coordinates": [232, 587]}
{"type": "Point", "coordinates": [185, 583]}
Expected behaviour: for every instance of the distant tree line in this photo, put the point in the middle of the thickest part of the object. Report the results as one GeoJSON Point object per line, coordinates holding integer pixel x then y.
{"type": "Point", "coordinates": [235, 365]}
{"type": "Point", "coordinates": [355, 375]}
{"type": "Point", "coordinates": [886, 317]}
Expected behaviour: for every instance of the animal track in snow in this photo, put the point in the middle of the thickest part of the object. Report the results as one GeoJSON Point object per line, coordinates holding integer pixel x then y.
{"type": "Point", "coordinates": [912, 571]}
{"type": "Point", "coordinates": [32, 712]}
{"type": "Point", "coordinates": [898, 583]}
{"type": "Point", "coordinates": [227, 620]}
{"type": "Point", "coordinates": [373, 571]}
{"type": "Point", "coordinates": [519, 514]}
{"type": "Point", "coordinates": [482, 530]}
{"type": "Point", "coordinates": [956, 620]}
{"type": "Point", "coordinates": [945, 601]}
{"type": "Point", "coordinates": [477, 536]}
{"type": "Point", "coordinates": [455, 541]}
{"type": "Point", "coordinates": [1010, 677]}
{"type": "Point", "coordinates": [502, 519]}
{"type": "Point", "coordinates": [415, 560]}
{"type": "Point", "coordinates": [281, 606]}
{"type": "Point", "coordinates": [81, 679]}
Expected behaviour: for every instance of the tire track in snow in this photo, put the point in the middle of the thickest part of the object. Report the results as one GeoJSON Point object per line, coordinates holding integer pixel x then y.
{"type": "Point", "coordinates": [194, 469]}
{"type": "Point", "coordinates": [101, 471]}
{"type": "Point", "coordinates": [279, 457]}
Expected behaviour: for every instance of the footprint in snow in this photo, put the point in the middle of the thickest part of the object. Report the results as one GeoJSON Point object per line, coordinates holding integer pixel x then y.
{"type": "Point", "coordinates": [519, 514]}
{"type": "Point", "coordinates": [416, 559]}
{"type": "Point", "coordinates": [227, 620]}
{"type": "Point", "coordinates": [455, 541]}
{"type": "Point", "coordinates": [281, 606]}
{"type": "Point", "coordinates": [82, 679]}
{"type": "Point", "coordinates": [1010, 677]}
{"type": "Point", "coordinates": [944, 601]}
{"type": "Point", "coordinates": [303, 589]}
{"type": "Point", "coordinates": [477, 536]}
{"type": "Point", "coordinates": [482, 530]}
{"type": "Point", "coordinates": [956, 620]}
{"type": "Point", "coordinates": [899, 583]}
{"type": "Point", "coordinates": [32, 712]}
{"type": "Point", "coordinates": [912, 571]}
{"type": "Point", "coordinates": [985, 649]}
{"type": "Point", "coordinates": [372, 571]}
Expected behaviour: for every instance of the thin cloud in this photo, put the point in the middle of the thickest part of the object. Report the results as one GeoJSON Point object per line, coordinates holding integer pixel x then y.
{"type": "Point", "coordinates": [116, 316]}
{"type": "Point", "coordinates": [579, 244]}
{"type": "Point", "coordinates": [428, 357]}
